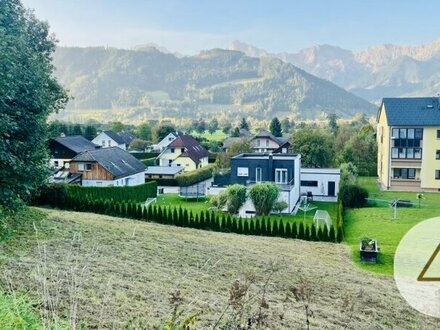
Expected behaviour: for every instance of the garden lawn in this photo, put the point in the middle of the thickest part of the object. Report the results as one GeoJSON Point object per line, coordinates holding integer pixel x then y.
{"type": "Point", "coordinates": [203, 204]}
{"type": "Point", "coordinates": [218, 135]}
{"type": "Point", "coordinates": [376, 222]}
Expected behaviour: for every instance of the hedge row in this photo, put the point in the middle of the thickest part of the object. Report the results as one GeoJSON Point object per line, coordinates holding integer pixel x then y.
{"type": "Point", "coordinates": [164, 182]}
{"type": "Point", "coordinates": [206, 220]}
{"type": "Point", "coordinates": [193, 177]}
{"type": "Point", "coordinates": [149, 161]}
{"type": "Point", "coordinates": [138, 193]}
{"type": "Point", "coordinates": [145, 155]}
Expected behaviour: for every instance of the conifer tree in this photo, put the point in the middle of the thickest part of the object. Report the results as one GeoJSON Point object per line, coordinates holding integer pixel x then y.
{"type": "Point", "coordinates": [294, 230]}
{"type": "Point", "coordinates": [332, 234]}
{"type": "Point", "coordinates": [301, 230]}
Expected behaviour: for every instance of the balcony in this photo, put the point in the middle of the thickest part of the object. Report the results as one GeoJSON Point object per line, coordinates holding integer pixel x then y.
{"type": "Point", "coordinates": [283, 186]}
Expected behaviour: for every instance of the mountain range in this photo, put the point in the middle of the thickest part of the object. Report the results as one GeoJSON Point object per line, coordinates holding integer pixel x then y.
{"type": "Point", "coordinates": [373, 73]}
{"type": "Point", "coordinates": [150, 83]}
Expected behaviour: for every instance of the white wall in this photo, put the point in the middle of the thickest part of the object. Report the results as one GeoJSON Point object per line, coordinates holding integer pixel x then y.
{"type": "Point", "coordinates": [322, 176]}
{"type": "Point", "coordinates": [162, 145]}
{"type": "Point", "coordinates": [105, 141]}
{"type": "Point", "coordinates": [131, 180]}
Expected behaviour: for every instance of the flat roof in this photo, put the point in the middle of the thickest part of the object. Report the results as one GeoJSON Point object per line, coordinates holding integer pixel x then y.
{"type": "Point", "coordinates": [321, 170]}
{"type": "Point", "coordinates": [164, 170]}
{"type": "Point", "coordinates": [265, 155]}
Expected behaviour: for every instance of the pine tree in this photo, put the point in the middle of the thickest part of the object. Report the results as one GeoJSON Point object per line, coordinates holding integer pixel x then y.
{"type": "Point", "coordinates": [258, 225]}
{"type": "Point", "coordinates": [276, 228]}
{"type": "Point", "coordinates": [202, 220]}
{"type": "Point", "coordinates": [340, 234]}
{"type": "Point", "coordinates": [175, 217]}
{"type": "Point", "coordinates": [301, 230]}
{"type": "Point", "coordinates": [159, 214]}
{"type": "Point", "coordinates": [319, 234]}
{"type": "Point", "coordinates": [332, 234]}
{"type": "Point", "coordinates": [288, 230]}
{"type": "Point", "coordinates": [294, 230]}
{"type": "Point", "coordinates": [275, 127]}
{"type": "Point", "coordinates": [185, 218]}
{"type": "Point", "coordinates": [325, 237]}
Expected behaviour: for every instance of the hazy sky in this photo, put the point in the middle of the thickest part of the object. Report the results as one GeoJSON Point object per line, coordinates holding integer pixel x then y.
{"type": "Point", "coordinates": [189, 26]}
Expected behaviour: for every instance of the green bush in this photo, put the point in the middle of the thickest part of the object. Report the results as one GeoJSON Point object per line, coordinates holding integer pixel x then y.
{"type": "Point", "coordinates": [353, 196]}
{"type": "Point", "coordinates": [164, 182]}
{"type": "Point", "coordinates": [264, 195]}
{"type": "Point", "coordinates": [193, 177]}
{"type": "Point", "coordinates": [233, 197]}
{"type": "Point", "coordinates": [149, 161]}
{"type": "Point", "coordinates": [145, 155]}
{"type": "Point", "coordinates": [51, 194]}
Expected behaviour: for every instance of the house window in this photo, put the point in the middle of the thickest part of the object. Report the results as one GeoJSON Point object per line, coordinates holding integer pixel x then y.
{"type": "Point", "coordinates": [404, 173]}
{"type": "Point", "coordinates": [56, 163]}
{"type": "Point", "coordinates": [109, 143]}
{"type": "Point", "coordinates": [281, 175]}
{"type": "Point", "coordinates": [103, 143]}
{"type": "Point", "coordinates": [406, 143]}
{"type": "Point", "coordinates": [172, 150]}
{"type": "Point", "coordinates": [182, 150]}
{"type": "Point", "coordinates": [258, 174]}
{"type": "Point", "coordinates": [437, 154]}
{"type": "Point", "coordinates": [438, 134]}
{"type": "Point", "coordinates": [169, 162]}
{"type": "Point", "coordinates": [267, 143]}
{"type": "Point", "coordinates": [258, 143]}
{"type": "Point", "coordinates": [437, 174]}
{"type": "Point", "coordinates": [242, 171]}
{"type": "Point", "coordinates": [309, 183]}
{"type": "Point", "coordinates": [81, 167]}
{"type": "Point", "coordinates": [88, 166]}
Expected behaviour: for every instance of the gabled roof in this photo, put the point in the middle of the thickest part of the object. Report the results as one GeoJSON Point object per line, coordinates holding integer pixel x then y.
{"type": "Point", "coordinates": [266, 134]}
{"type": "Point", "coordinates": [115, 160]}
{"type": "Point", "coordinates": [127, 137]}
{"type": "Point", "coordinates": [416, 111]}
{"type": "Point", "coordinates": [193, 148]}
{"type": "Point", "coordinates": [115, 137]}
{"type": "Point", "coordinates": [76, 143]}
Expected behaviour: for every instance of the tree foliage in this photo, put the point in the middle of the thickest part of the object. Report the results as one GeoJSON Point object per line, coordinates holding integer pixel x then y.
{"type": "Point", "coordinates": [162, 130]}
{"type": "Point", "coordinates": [275, 127]}
{"type": "Point", "coordinates": [232, 197]}
{"type": "Point", "coordinates": [264, 195]}
{"type": "Point", "coordinates": [28, 94]}
{"type": "Point", "coordinates": [315, 147]}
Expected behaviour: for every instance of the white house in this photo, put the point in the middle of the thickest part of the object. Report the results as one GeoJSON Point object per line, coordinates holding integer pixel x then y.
{"type": "Point", "coordinates": [184, 151]}
{"type": "Point", "coordinates": [63, 149]}
{"type": "Point", "coordinates": [107, 139]}
{"type": "Point", "coordinates": [108, 167]}
{"type": "Point", "coordinates": [321, 182]}
{"type": "Point", "coordinates": [165, 142]}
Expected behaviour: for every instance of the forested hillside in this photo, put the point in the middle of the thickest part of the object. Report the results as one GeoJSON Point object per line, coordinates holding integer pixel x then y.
{"type": "Point", "coordinates": [147, 83]}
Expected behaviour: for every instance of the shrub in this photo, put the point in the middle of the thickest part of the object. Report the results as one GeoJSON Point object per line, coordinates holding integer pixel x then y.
{"type": "Point", "coordinates": [279, 206]}
{"type": "Point", "coordinates": [137, 193]}
{"type": "Point", "coordinates": [149, 161]}
{"type": "Point", "coordinates": [235, 197]}
{"type": "Point", "coordinates": [51, 194]}
{"type": "Point", "coordinates": [145, 155]}
{"type": "Point", "coordinates": [353, 196]}
{"type": "Point", "coordinates": [264, 195]}
{"type": "Point", "coordinates": [193, 177]}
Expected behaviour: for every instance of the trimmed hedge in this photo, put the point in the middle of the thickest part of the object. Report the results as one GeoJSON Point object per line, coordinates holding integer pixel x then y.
{"type": "Point", "coordinates": [164, 182]}
{"type": "Point", "coordinates": [145, 155]}
{"type": "Point", "coordinates": [138, 193]}
{"type": "Point", "coordinates": [193, 177]}
{"type": "Point", "coordinates": [205, 220]}
{"type": "Point", "coordinates": [149, 161]}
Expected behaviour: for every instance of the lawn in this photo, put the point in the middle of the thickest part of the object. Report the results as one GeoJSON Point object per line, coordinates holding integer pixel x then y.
{"type": "Point", "coordinates": [218, 135]}
{"type": "Point", "coordinates": [203, 204]}
{"type": "Point", "coordinates": [377, 222]}
{"type": "Point", "coordinates": [120, 274]}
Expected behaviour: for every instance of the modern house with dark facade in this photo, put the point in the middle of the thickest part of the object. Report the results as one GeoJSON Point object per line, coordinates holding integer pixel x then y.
{"type": "Point", "coordinates": [282, 169]}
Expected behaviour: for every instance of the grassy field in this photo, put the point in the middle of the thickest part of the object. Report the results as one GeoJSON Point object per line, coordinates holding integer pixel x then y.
{"type": "Point", "coordinates": [377, 222]}
{"type": "Point", "coordinates": [218, 135]}
{"type": "Point", "coordinates": [203, 205]}
{"type": "Point", "coordinates": [117, 273]}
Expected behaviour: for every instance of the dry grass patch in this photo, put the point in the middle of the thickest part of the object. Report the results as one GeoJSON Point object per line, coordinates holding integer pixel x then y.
{"type": "Point", "coordinates": [125, 272]}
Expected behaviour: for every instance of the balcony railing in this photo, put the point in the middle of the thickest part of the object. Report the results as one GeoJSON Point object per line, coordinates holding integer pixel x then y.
{"type": "Point", "coordinates": [284, 186]}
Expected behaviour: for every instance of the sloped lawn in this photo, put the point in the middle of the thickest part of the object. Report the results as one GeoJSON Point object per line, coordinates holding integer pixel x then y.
{"type": "Point", "coordinates": [377, 222]}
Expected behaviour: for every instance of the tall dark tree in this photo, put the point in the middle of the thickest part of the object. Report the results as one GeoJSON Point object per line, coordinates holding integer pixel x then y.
{"type": "Point", "coordinates": [244, 124]}
{"type": "Point", "coordinates": [90, 132]}
{"type": "Point", "coordinates": [213, 126]}
{"type": "Point", "coordinates": [286, 125]}
{"type": "Point", "coordinates": [117, 126]}
{"type": "Point", "coordinates": [28, 94]}
{"type": "Point", "coordinates": [160, 131]}
{"type": "Point", "coordinates": [76, 130]}
{"type": "Point", "coordinates": [235, 132]}
{"type": "Point", "coordinates": [143, 132]}
{"type": "Point", "coordinates": [333, 123]}
{"type": "Point", "coordinates": [275, 127]}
